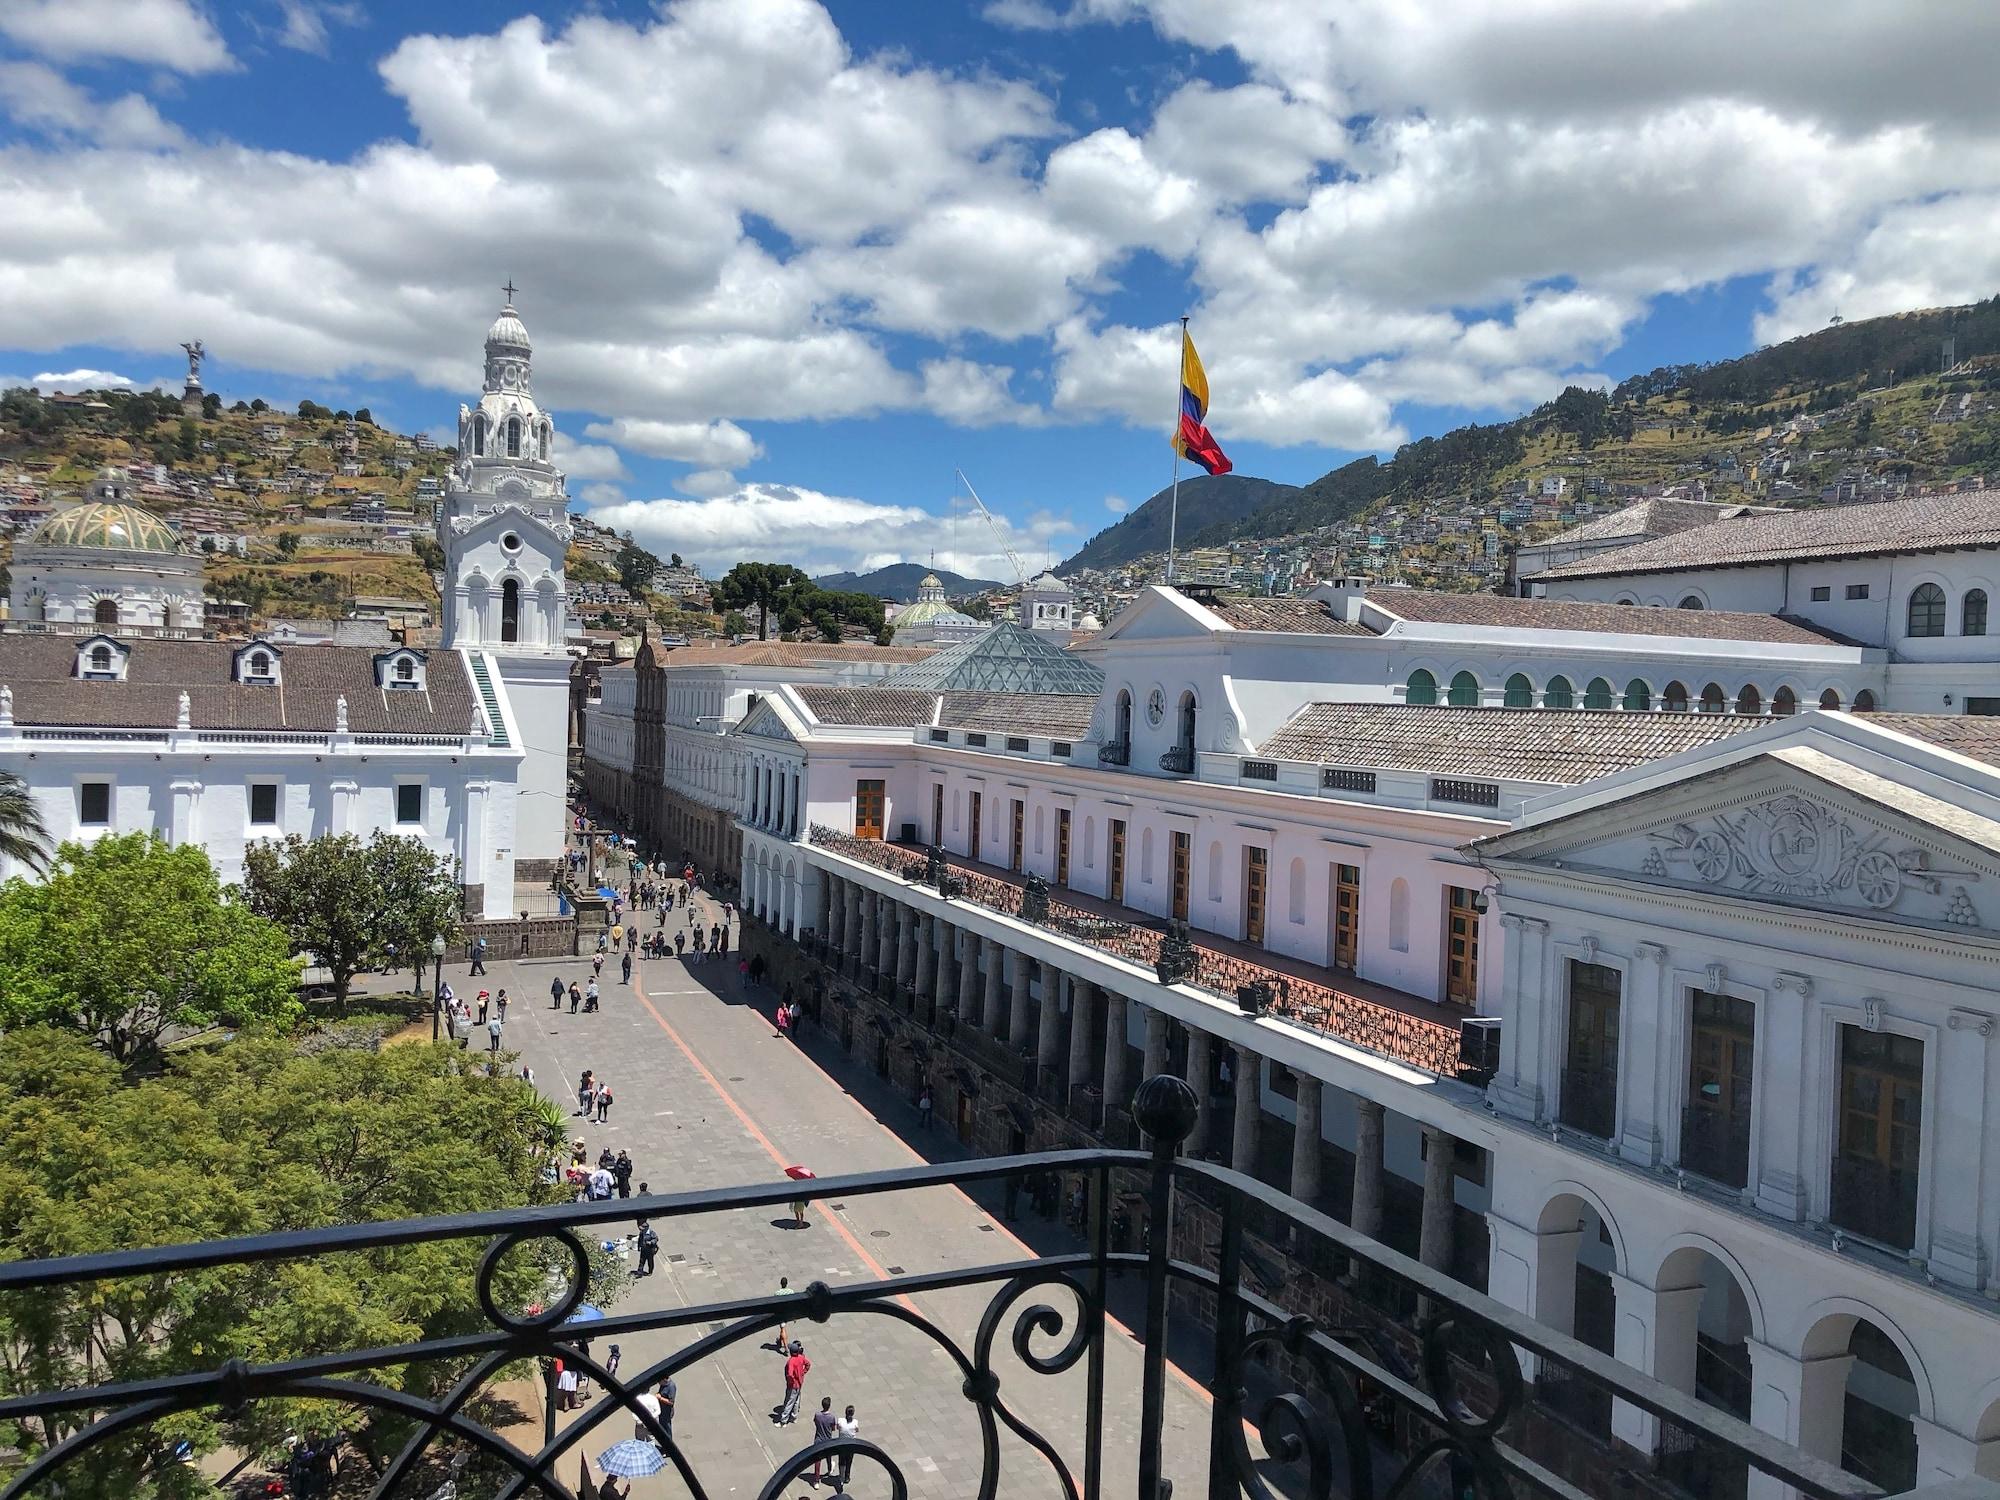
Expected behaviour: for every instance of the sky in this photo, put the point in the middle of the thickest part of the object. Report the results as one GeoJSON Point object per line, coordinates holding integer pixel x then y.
{"type": "Point", "coordinates": [789, 265]}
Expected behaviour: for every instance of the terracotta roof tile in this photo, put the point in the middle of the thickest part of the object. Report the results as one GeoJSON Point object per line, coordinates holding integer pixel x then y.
{"type": "Point", "coordinates": [1431, 608]}
{"type": "Point", "coordinates": [1558, 746]}
{"type": "Point", "coordinates": [1062, 716]}
{"type": "Point", "coordinates": [1975, 736]}
{"type": "Point", "coordinates": [1290, 616]}
{"type": "Point", "coordinates": [870, 707]}
{"type": "Point", "coordinates": [792, 654]}
{"type": "Point", "coordinates": [1926, 523]}
{"type": "Point", "coordinates": [1656, 517]}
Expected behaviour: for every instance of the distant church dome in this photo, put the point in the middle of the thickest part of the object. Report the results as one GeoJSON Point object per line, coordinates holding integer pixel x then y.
{"type": "Point", "coordinates": [508, 330]}
{"type": "Point", "coordinates": [107, 521]}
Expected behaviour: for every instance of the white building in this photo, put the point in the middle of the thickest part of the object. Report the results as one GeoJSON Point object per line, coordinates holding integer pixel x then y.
{"type": "Point", "coordinates": [106, 562]}
{"type": "Point", "coordinates": [1734, 1127]}
{"type": "Point", "coordinates": [1047, 603]}
{"type": "Point", "coordinates": [930, 619]}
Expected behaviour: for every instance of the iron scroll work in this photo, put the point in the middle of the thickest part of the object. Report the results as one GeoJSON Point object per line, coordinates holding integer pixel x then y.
{"type": "Point", "coordinates": [1458, 1403]}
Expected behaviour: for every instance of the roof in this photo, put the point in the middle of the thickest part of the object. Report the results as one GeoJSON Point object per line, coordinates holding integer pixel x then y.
{"type": "Point", "coordinates": [1927, 523]}
{"type": "Point", "coordinates": [870, 707]}
{"type": "Point", "coordinates": [1061, 716]}
{"type": "Point", "coordinates": [1005, 659]}
{"type": "Point", "coordinates": [1560, 746]}
{"type": "Point", "coordinates": [1655, 517]}
{"type": "Point", "coordinates": [108, 526]}
{"type": "Point", "coordinates": [1426, 607]}
{"type": "Point", "coordinates": [1975, 736]}
{"type": "Point", "coordinates": [792, 654]}
{"type": "Point", "coordinates": [930, 612]}
{"type": "Point", "coordinates": [1293, 616]}
{"type": "Point", "coordinates": [41, 669]}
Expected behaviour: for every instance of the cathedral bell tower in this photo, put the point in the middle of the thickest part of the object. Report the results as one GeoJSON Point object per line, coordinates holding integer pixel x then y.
{"type": "Point", "coordinates": [505, 530]}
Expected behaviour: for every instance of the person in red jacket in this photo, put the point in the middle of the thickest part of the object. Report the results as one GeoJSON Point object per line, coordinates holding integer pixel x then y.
{"type": "Point", "coordinates": [796, 1368]}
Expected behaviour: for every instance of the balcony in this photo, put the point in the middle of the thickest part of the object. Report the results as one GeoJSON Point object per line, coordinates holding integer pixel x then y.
{"type": "Point", "coordinates": [1875, 1201]}
{"type": "Point", "coordinates": [1179, 760]}
{"type": "Point", "coordinates": [1590, 1101]}
{"type": "Point", "coordinates": [1400, 1026]}
{"type": "Point", "coordinates": [1117, 753]}
{"type": "Point", "coordinates": [1716, 1146]}
{"type": "Point", "coordinates": [1453, 1387]}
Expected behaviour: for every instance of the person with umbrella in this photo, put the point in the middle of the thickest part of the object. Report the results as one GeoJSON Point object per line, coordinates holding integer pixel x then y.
{"type": "Point", "coordinates": [626, 1460]}
{"type": "Point", "coordinates": [799, 1174]}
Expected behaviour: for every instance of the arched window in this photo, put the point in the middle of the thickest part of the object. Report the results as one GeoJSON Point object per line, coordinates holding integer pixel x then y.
{"type": "Point", "coordinates": [1638, 697]}
{"type": "Point", "coordinates": [544, 454]}
{"type": "Point", "coordinates": [100, 658]}
{"type": "Point", "coordinates": [1830, 701]}
{"type": "Point", "coordinates": [1558, 694]}
{"type": "Point", "coordinates": [260, 665]}
{"type": "Point", "coordinates": [510, 609]}
{"type": "Point", "coordinates": [513, 437]}
{"type": "Point", "coordinates": [106, 612]}
{"type": "Point", "coordinates": [1972, 613]}
{"type": "Point", "coordinates": [1121, 731]}
{"type": "Point", "coordinates": [1864, 702]}
{"type": "Point", "coordinates": [1399, 915]}
{"type": "Point", "coordinates": [1712, 700]}
{"type": "Point", "coordinates": [1749, 701]}
{"type": "Point", "coordinates": [1185, 738]}
{"type": "Point", "coordinates": [1422, 689]}
{"type": "Point", "coordinates": [1464, 691]}
{"type": "Point", "coordinates": [1674, 698]}
{"type": "Point", "coordinates": [1691, 601]}
{"type": "Point", "coordinates": [1597, 694]}
{"type": "Point", "coordinates": [406, 670]}
{"type": "Point", "coordinates": [1926, 610]}
{"type": "Point", "coordinates": [1519, 692]}
{"type": "Point", "coordinates": [479, 437]}
{"type": "Point", "coordinates": [1784, 702]}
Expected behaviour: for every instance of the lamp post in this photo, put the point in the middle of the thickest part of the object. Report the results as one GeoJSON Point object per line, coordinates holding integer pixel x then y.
{"type": "Point", "coordinates": [437, 983]}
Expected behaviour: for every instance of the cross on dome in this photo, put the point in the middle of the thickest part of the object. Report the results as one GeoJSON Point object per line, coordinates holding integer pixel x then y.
{"type": "Point", "coordinates": [509, 290]}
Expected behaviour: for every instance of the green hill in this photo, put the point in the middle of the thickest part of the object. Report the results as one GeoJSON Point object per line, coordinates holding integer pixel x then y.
{"type": "Point", "coordinates": [1209, 503]}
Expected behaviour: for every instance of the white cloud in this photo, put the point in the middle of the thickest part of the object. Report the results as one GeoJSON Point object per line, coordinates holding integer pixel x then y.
{"type": "Point", "coordinates": [710, 444]}
{"type": "Point", "coordinates": [172, 34]}
{"type": "Point", "coordinates": [706, 484]}
{"type": "Point", "coordinates": [39, 98]}
{"type": "Point", "coordinates": [1117, 504]}
{"type": "Point", "coordinates": [75, 380]}
{"type": "Point", "coordinates": [974, 395]}
{"type": "Point", "coordinates": [302, 24]}
{"type": "Point", "coordinates": [588, 461]}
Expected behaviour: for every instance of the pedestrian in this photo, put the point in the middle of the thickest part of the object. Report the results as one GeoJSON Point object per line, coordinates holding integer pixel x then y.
{"type": "Point", "coordinates": [575, 997]}
{"type": "Point", "coordinates": [566, 1384]}
{"type": "Point", "coordinates": [590, 996]}
{"type": "Point", "coordinates": [600, 1188]}
{"type": "Point", "coordinates": [602, 940]}
{"type": "Point", "coordinates": [596, 964]}
{"type": "Point", "coordinates": [493, 1033]}
{"type": "Point", "coordinates": [680, 943]}
{"type": "Point", "coordinates": [621, 1173]}
{"type": "Point", "coordinates": [797, 1367]}
{"type": "Point", "coordinates": [849, 1428]}
{"type": "Point", "coordinates": [799, 1214]}
{"type": "Point", "coordinates": [825, 1425]}
{"type": "Point", "coordinates": [479, 956]}
{"type": "Point", "coordinates": [626, 965]}
{"type": "Point", "coordinates": [783, 1019]}
{"type": "Point", "coordinates": [924, 1107]}
{"type": "Point", "coordinates": [649, 1246]}
{"type": "Point", "coordinates": [609, 1489]}
{"type": "Point", "coordinates": [611, 1359]}
{"type": "Point", "coordinates": [784, 1290]}
{"type": "Point", "coordinates": [586, 1092]}
{"type": "Point", "coordinates": [485, 999]}
{"type": "Point", "coordinates": [555, 993]}
{"type": "Point", "coordinates": [500, 1004]}
{"type": "Point", "coordinates": [618, 936]}
{"type": "Point", "coordinates": [603, 1102]}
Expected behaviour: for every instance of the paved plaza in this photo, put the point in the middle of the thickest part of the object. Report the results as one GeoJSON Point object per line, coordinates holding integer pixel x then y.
{"type": "Point", "coordinates": [708, 1095]}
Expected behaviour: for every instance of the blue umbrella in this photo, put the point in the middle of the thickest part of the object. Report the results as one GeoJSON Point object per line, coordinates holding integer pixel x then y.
{"type": "Point", "coordinates": [631, 1459]}
{"type": "Point", "coordinates": [585, 1314]}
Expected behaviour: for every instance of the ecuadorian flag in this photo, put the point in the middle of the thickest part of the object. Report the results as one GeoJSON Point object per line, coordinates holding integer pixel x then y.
{"type": "Point", "coordinates": [1191, 439]}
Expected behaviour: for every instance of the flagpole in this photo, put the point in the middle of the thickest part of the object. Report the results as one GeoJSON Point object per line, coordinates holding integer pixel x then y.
{"type": "Point", "coordinates": [1174, 505]}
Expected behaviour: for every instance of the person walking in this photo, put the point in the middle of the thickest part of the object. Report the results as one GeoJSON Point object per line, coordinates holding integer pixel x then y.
{"type": "Point", "coordinates": [625, 965]}
{"type": "Point", "coordinates": [500, 1004]}
{"type": "Point", "coordinates": [575, 997]}
{"type": "Point", "coordinates": [485, 999]}
{"type": "Point", "coordinates": [849, 1428]}
{"type": "Point", "coordinates": [479, 956]}
{"type": "Point", "coordinates": [797, 1367]}
{"type": "Point", "coordinates": [621, 1173]}
{"type": "Point", "coordinates": [603, 1102]}
{"type": "Point", "coordinates": [680, 943]}
{"type": "Point", "coordinates": [784, 1290]}
{"type": "Point", "coordinates": [597, 962]}
{"type": "Point", "coordinates": [825, 1426]}
{"type": "Point", "coordinates": [924, 1108]}
{"type": "Point", "coordinates": [649, 1246]}
{"type": "Point", "coordinates": [586, 1092]}
{"type": "Point", "coordinates": [493, 1035]}
{"type": "Point", "coordinates": [556, 993]}
{"type": "Point", "coordinates": [590, 996]}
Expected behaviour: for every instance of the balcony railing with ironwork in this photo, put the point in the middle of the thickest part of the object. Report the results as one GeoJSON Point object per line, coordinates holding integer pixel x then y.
{"type": "Point", "coordinates": [1179, 760]}
{"type": "Point", "coordinates": [1116, 753]}
{"type": "Point", "coordinates": [1590, 1101]}
{"type": "Point", "coordinates": [1455, 1403]}
{"type": "Point", "coordinates": [1874, 1200]}
{"type": "Point", "coordinates": [1413, 1039]}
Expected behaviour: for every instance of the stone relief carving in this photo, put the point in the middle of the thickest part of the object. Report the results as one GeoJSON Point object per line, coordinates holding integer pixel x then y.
{"type": "Point", "coordinates": [1793, 846]}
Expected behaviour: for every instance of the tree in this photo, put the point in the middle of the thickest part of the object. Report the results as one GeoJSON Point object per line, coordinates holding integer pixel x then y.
{"type": "Point", "coordinates": [211, 406]}
{"type": "Point", "coordinates": [675, 561]}
{"type": "Point", "coordinates": [131, 937]}
{"type": "Point", "coordinates": [312, 411]}
{"type": "Point", "coordinates": [22, 834]}
{"type": "Point", "coordinates": [288, 543]}
{"type": "Point", "coordinates": [364, 416]}
{"type": "Point", "coordinates": [260, 404]}
{"type": "Point", "coordinates": [636, 567]}
{"type": "Point", "coordinates": [258, 1136]}
{"type": "Point", "coordinates": [733, 623]}
{"type": "Point", "coordinates": [759, 586]}
{"type": "Point", "coordinates": [345, 902]}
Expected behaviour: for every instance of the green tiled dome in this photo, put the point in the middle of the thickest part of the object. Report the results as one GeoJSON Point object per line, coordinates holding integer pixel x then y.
{"type": "Point", "coordinates": [113, 527]}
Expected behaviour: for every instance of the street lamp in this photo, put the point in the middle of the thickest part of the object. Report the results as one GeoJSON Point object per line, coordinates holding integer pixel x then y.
{"type": "Point", "coordinates": [437, 983]}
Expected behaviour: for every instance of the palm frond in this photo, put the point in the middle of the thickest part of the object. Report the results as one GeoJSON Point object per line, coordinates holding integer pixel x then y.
{"type": "Point", "coordinates": [22, 834]}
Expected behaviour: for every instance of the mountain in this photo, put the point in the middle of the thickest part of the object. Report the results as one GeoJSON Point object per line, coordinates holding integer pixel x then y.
{"type": "Point", "coordinates": [1207, 502]}
{"type": "Point", "coordinates": [899, 581]}
{"type": "Point", "coordinates": [1327, 501]}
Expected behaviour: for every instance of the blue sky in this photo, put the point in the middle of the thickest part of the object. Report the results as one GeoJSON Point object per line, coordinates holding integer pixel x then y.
{"type": "Point", "coordinates": [789, 265]}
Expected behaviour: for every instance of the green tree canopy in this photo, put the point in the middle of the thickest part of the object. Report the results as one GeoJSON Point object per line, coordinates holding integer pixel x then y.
{"type": "Point", "coordinates": [345, 903]}
{"type": "Point", "coordinates": [763, 587]}
{"type": "Point", "coordinates": [636, 566]}
{"type": "Point", "coordinates": [255, 1137]}
{"type": "Point", "coordinates": [131, 937]}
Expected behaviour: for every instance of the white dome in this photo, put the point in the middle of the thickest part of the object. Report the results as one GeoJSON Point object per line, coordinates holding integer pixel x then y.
{"type": "Point", "coordinates": [508, 329]}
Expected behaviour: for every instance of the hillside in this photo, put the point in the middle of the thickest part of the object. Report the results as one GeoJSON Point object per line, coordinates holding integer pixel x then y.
{"type": "Point", "coordinates": [899, 582]}
{"type": "Point", "coordinates": [1207, 502]}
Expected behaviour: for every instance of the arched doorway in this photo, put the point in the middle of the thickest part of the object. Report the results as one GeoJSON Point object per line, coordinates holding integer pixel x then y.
{"type": "Point", "coordinates": [106, 612]}
{"type": "Point", "coordinates": [1867, 1424]}
{"type": "Point", "coordinates": [1704, 1325]}
{"type": "Point", "coordinates": [1577, 1257]}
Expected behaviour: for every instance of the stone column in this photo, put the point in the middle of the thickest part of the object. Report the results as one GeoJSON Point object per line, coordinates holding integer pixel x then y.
{"type": "Point", "coordinates": [1159, 1042]}
{"type": "Point", "coordinates": [1798, 1401]}
{"type": "Point", "coordinates": [1654, 1333]}
{"type": "Point", "coordinates": [1048, 1029]}
{"type": "Point", "coordinates": [885, 937]}
{"type": "Point", "coordinates": [1117, 1088]}
{"type": "Point", "coordinates": [835, 930]}
{"type": "Point", "coordinates": [863, 925]}
{"type": "Point", "coordinates": [1305, 1141]}
{"type": "Point", "coordinates": [927, 959]}
{"type": "Point", "coordinates": [1082, 1022]}
{"type": "Point", "coordinates": [989, 1005]}
{"type": "Point", "coordinates": [1249, 1088]}
{"type": "Point", "coordinates": [1434, 1245]}
{"type": "Point", "coordinates": [1197, 1079]}
{"type": "Point", "coordinates": [1016, 1032]}
{"type": "Point", "coordinates": [906, 949]}
{"type": "Point", "coordinates": [968, 982]}
{"type": "Point", "coordinates": [944, 984]}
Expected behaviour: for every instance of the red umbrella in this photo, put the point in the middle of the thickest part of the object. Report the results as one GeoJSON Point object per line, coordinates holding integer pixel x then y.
{"type": "Point", "coordinates": [800, 1174]}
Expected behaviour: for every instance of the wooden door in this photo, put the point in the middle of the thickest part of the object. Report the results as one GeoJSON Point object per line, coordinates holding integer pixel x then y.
{"type": "Point", "coordinates": [1062, 846]}
{"type": "Point", "coordinates": [972, 835]}
{"type": "Point", "coordinates": [1115, 885]}
{"type": "Point", "coordinates": [1256, 882]}
{"type": "Point", "coordinates": [937, 814]}
{"type": "Point", "coordinates": [1461, 966]}
{"type": "Point", "coordinates": [1183, 860]}
{"type": "Point", "coordinates": [871, 806]}
{"type": "Point", "coordinates": [1715, 1136]}
{"type": "Point", "coordinates": [1881, 1120]}
{"type": "Point", "coordinates": [1014, 836]}
{"type": "Point", "coordinates": [1346, 915]}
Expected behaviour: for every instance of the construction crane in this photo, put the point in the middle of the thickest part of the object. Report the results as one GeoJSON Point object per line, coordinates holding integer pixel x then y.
{"type": "Point", "coordinates": [1020, 568]}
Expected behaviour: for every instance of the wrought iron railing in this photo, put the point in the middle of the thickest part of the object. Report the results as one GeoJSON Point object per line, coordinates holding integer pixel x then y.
{"type": "Point", "coordinates": [1454, 1407]}
{"type": "Point", "coordinates": [1117, 753]}
{"type": "Point", "coordinates": [1179, 760]}
{"type": "Point", "coordinates": [1413, 1039]}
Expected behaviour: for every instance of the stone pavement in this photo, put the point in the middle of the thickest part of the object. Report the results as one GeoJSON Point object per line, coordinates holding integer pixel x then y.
{"type": "Point", "coordinates": [708, 1095]}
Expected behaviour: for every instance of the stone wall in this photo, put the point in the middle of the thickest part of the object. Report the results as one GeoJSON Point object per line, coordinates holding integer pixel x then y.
{"type": "Point", "coordinates": [537, 937]}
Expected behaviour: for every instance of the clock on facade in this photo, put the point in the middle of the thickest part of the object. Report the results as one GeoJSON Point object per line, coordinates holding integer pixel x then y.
{"type": "Point", "coordinates": [1156, 707]}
